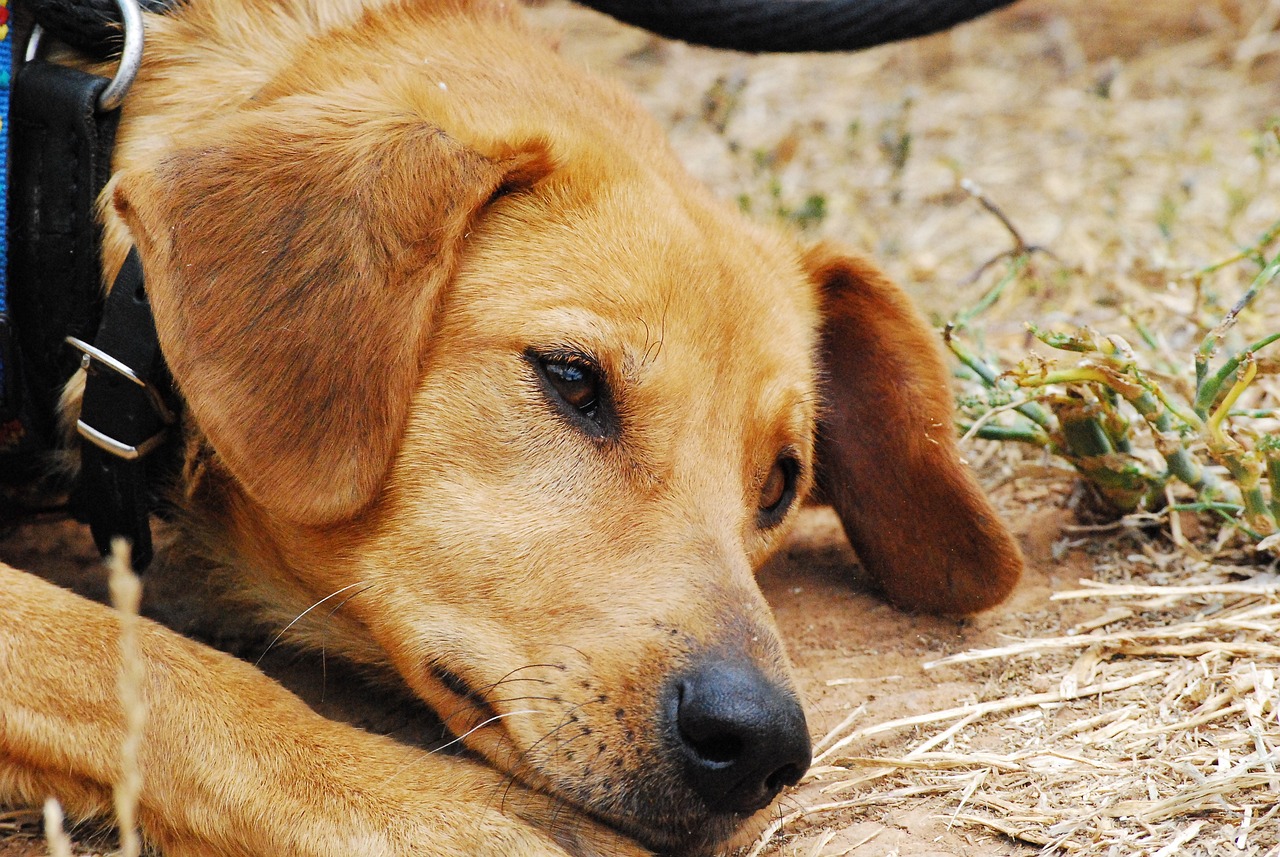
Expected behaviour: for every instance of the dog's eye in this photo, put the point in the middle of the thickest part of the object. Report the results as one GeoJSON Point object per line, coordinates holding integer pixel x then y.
{"type": "Point", "coordinates": [575, 384]}
{"type": "Point", "coordinates": [778, 491]}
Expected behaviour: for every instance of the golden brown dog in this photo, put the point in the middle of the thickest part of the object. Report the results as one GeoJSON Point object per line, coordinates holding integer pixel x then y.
{"type": "Point", "coordinates": [470, 360]}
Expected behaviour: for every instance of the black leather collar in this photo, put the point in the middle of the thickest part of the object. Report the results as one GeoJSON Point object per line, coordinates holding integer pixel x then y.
{"type": "Point", "coordinates": [61, 144]}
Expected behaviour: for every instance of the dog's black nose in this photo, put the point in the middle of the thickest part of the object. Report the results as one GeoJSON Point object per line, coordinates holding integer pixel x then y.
{"type": "Point", "coordinates": [742, 736]}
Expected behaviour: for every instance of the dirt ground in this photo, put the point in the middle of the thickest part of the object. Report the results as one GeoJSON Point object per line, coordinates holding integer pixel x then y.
{"type": "Point", "coordinates": [1131, 139]}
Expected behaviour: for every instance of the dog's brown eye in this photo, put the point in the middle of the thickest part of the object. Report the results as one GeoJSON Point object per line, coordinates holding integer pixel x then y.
{"type": "Point", "coordinates": [576, 384]}
{"type": "Point", "coordinates": [778, 491]}
{"type": "Point", "coordinates": [774, 487]}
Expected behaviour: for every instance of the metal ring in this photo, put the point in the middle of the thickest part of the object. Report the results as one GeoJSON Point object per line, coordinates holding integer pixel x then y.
{"type": "Point", "coordinates": [130, 57]}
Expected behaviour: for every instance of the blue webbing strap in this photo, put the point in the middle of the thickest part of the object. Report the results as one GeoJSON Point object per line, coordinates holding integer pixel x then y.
{"type": "Point", "coordinates": [6, 64]}
{"type": "Point", "coordinates": [7, 385]}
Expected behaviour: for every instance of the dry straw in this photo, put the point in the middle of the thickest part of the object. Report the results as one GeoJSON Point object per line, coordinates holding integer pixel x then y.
{"type": "Point", "coordinates": [1161, 735]}
{"type": "Point", "coordinates": [54, 834]}
{"type": "Point", "coordinates": [126, 596]}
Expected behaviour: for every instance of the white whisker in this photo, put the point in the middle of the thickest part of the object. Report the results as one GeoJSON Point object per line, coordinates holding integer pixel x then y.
{"type": "Point", "coordinates": [303, 614]}
{"type": "Point", "coordinates": [493, 719]}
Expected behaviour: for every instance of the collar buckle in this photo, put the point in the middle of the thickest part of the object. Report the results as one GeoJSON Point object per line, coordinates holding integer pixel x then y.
{"type": "Point", "coordinates": [94, 359]}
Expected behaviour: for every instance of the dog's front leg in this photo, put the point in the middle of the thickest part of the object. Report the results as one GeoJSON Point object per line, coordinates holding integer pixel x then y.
{"type": "Point", "coordinates": [231, 763]}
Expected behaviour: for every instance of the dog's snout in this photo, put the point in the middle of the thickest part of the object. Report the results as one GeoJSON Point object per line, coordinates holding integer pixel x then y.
{"type": "Point", "coordinates": [743, 736]}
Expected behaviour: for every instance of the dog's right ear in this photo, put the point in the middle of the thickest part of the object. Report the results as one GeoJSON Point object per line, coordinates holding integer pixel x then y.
{"type": "Point", "coordinates": [887, 455]}
{"type": "Point", "coordinates": [293, 267]}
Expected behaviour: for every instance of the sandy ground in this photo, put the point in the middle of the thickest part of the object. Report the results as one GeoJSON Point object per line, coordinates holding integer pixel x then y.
{"type": "Point", "coordinates": [1124, 136]}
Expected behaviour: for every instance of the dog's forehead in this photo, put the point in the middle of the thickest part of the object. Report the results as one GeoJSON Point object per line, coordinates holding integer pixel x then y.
{"type": "Point", "coordinates": [650, 274]}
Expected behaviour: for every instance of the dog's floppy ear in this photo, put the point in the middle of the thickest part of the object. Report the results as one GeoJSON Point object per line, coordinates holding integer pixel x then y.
{"type": "Point", "coordinates": [887, 455]}
{"type": "Point", "coordinates": [293, 267]}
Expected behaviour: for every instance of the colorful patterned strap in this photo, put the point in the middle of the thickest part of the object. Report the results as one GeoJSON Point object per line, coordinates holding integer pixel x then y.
{"type": "Point", "coordinates": [7, 381]}
{"type": "Point", "coordinates": [6, 64]}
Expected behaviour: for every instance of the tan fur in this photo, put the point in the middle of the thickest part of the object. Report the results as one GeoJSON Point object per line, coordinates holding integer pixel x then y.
{"type": "Point", "coordinates": [355, 220]}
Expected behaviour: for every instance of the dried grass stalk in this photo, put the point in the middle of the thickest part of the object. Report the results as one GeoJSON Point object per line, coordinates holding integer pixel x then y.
{"type": "Point", "coordinates": [54, 834]}
{"type": "Point", "coordinates": [126, 596]}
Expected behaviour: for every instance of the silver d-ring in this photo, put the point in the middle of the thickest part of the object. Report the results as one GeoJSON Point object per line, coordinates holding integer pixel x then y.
{"type": "Point", "coordinates": [130, 57]}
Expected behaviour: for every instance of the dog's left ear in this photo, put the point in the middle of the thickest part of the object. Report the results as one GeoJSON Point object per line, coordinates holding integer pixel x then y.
{"type": "Point", "coordinates": [294, 266]}
{"type": "Point", "coordinates": [887, 455]}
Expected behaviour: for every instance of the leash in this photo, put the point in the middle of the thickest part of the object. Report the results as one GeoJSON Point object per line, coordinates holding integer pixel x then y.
{"type": "Point", "coordinates": [63, 125]}
{"type": "Point", "coordinates": [789, 26]}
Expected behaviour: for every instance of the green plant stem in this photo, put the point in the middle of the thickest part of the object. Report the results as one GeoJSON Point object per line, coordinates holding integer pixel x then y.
{"type": "Point", "coordinates": [1085, 435]}
{"type": "Point", "coordinates": [1121, 479]}
{"type": "Point", "coordinates": [1147, 336]}
{"type": "Point", "coordinates": [1250, 252]}
{"type": "Point", "coordinates": [1238, 524]}
{"type": "Point", "coordinates": [1210, 344]}
{"type": "Point", "coordinates": [1258, 512]}
{"type": "Point", "coordinates": [1084, 341]}
{"type": "Point", "coordinates": [1150, 401]}
{"type": "Point", "coordinates": [1178, 409]}
{"type": "Point", "coordinates": [1228, 508]}
{"type": "Point", "coordinates": [1207, 392]}
{"type": "Point", "coordinates": [1217, 437]}
{"type": "Point", "coordinates": [1273, 480]}
{"type": "Point", "coordinates": [1016, 266]}
{"type": "Point", "coordinates": [990, 377]}
{"type": "Point", "coordinates": [1031, 434]}
{"type": "Point", "coordinates": [1246, 471]}
{"type": "Point", "coordinates": [1245, 467]}
{"type": "Point", "coordinates": [1114, 421]}
{"type": "Point", "coordinates": [1183, 466]}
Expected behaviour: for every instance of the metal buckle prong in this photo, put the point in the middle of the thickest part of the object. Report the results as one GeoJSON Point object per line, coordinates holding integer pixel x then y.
{"type": "Point", "coordinates": [91, 353]}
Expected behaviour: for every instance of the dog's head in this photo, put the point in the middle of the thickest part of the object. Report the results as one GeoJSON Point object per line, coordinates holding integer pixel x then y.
{"type": "Point", "coordinates": [530, 409]}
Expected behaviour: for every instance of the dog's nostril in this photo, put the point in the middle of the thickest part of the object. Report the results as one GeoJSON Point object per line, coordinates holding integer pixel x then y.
{"type": "Point", "coordinates": [719, 748]}
{"type": "Point", "coordinates": [787, 775]}
{"type": "Point", "coordinates": [742, 737]}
